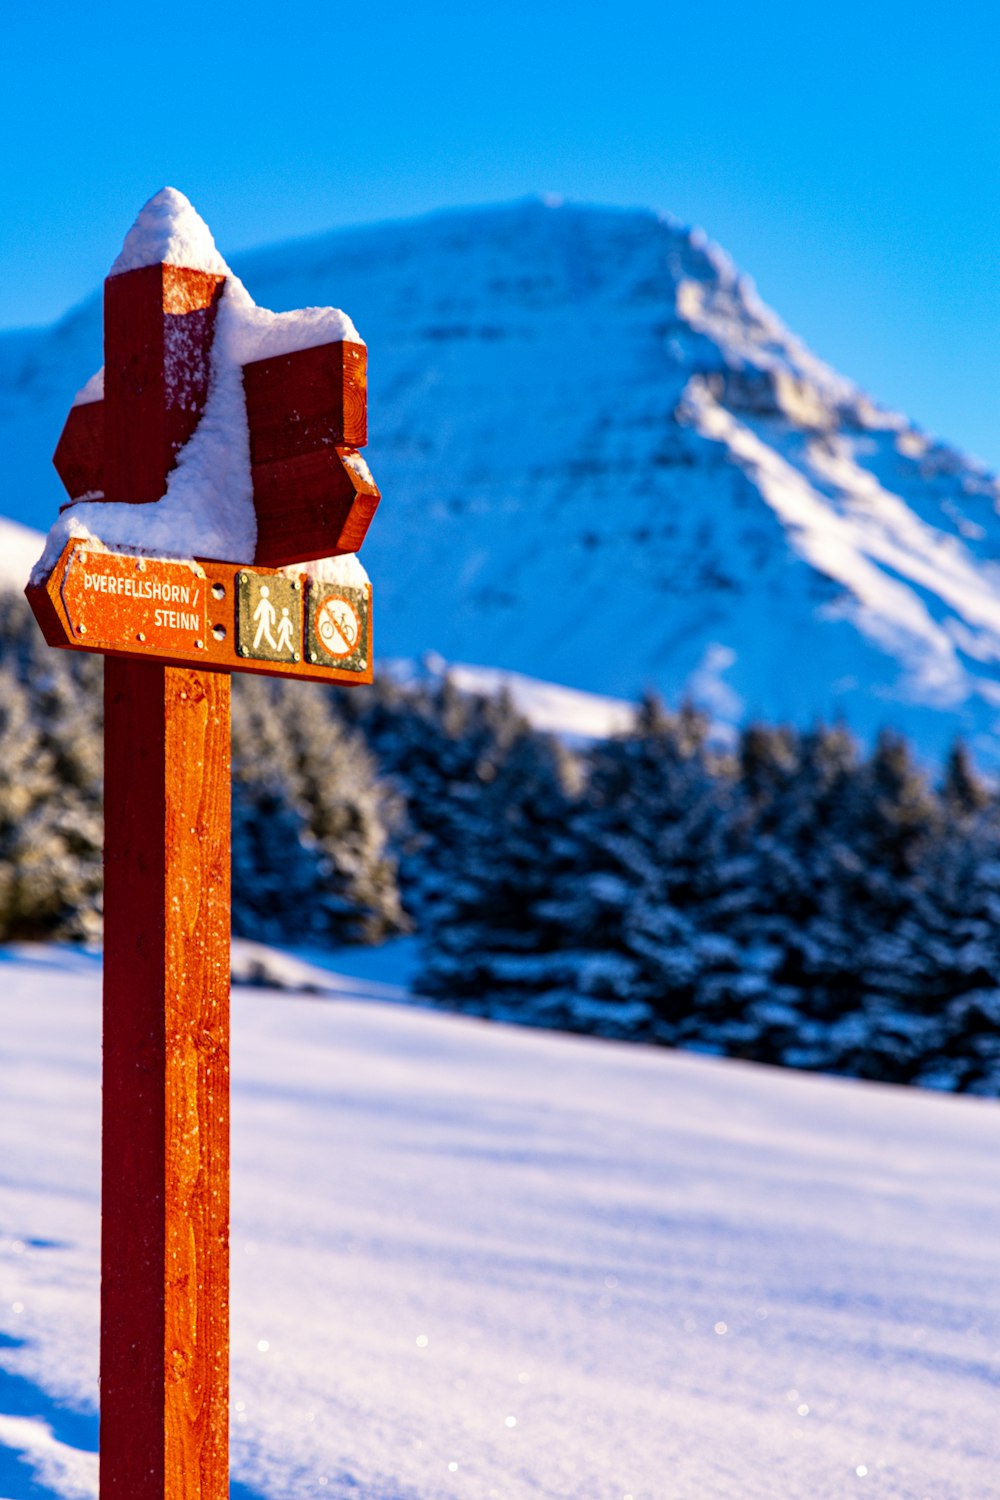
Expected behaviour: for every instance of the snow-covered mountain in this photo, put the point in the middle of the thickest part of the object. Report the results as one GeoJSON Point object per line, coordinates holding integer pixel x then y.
{"type": "Point", "coordinates": [606, 463]}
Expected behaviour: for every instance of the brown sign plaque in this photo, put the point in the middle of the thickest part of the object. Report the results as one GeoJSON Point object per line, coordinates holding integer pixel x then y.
{"type": "Point", "coordinates": [198, 612]}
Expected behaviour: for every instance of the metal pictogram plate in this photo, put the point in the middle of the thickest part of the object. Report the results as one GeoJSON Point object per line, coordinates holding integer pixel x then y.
{"type": "Point", "coordinates": [338, 631]}
{"type": "Point", "coordinates": [268, 617]}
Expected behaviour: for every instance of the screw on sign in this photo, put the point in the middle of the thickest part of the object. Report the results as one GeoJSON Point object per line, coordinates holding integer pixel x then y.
{"type": "Point", "coordinates": [183, 555]}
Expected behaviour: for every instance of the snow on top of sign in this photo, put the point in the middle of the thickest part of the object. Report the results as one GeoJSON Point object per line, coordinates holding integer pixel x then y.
{"type": "Point", "coordinates": [207, 510]}
{"type": "Point", "coordinates": [92, 391]}
{"type": "Point", "coordinates": [168, 229]}
{"type": "Point", "coordinates": [266, 334]}
{"type": "Point", "coordinates": [344, 569]}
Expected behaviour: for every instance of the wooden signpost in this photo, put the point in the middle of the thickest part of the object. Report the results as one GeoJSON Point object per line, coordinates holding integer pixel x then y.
{"type": "Point", "coordinates": [173, 629]}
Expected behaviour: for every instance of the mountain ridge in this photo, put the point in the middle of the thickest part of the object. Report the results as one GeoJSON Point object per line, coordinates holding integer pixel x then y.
{"type": "Point", "coordinates": [607, 463]}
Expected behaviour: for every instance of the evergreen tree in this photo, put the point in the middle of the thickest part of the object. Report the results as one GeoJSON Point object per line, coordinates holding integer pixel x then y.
{"type": "Point", "coordinates": [275, 866]}
{"type": "Point", "coordinates": [349, 814]}
{"type": "Point", "coordinates": [654, 891]}
{"type": "Point", "coordinates": [951, 1028]}
{"type": "Point", "coordinates": [796, 794]}
{"type": "Point", "coordinates": [497, 940]}
{"type": "Point", "coordinates": [309, 858]}
{"type": "Point", "coordinates": [442, 749]}
{"type": "Point", "coordinates": [963, 793]}
{"type": "Point", "coordinates": [893, 826]}
{"type": "Point", "coordinates": [684, 925]}
{"type": "Point", "coordinates": [52, 860]}
{"type": "Point", "coordinates": [50, 872]}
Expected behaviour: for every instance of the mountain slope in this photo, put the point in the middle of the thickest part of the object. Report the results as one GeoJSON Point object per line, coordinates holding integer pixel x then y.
{"type": "Point", "coordinates": [606, 463]}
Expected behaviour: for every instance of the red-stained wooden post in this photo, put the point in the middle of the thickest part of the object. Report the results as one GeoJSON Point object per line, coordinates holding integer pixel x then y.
{"type": "Point", "coordinates": [165, 1167]}
{"type": "Point", "coordinates": [165, 1170]}
{"type": "Point", "coordinates": [172, 631]}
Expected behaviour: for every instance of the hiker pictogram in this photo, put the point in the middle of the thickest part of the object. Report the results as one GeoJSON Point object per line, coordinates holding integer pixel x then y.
{"type": "Point", "coordinates": [269, 616]}
{"type": "Point", "coordinates": [285, 629]}
{"type": "Point", "coordinates": [264, 616]}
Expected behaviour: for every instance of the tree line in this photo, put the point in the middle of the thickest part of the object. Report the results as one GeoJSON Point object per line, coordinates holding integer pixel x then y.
{"type": "Point", "coordinates": [790, 898]}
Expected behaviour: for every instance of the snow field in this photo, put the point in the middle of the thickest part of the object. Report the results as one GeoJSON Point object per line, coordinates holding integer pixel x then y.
{"type": "Point", "coordinates": [472, 1261]}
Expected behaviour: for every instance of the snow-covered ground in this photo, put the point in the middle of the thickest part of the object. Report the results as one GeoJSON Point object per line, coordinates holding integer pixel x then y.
{"type": "Point", "coordinates": [20, 548]}
{"type": "Point", "coordinates": [472, 1261]}
{"type": "Point", "coordinates": [573, 714]}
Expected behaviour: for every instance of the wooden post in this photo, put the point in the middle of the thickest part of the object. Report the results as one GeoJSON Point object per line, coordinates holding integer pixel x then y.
{"type": "Point", "coordinates": [172, 630]}
{"type": "Point", "coordinates": [165, 1226]}
{"type": "Point", "coordinates": [158, 328]}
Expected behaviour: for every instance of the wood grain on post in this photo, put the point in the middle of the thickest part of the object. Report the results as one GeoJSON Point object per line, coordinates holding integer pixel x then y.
{"type": "Point", "coordinates": [165, 1226]}
{"type": "Point", "coordinates": [317, 504]}
{"type": "Point", "coordinates": [165, 1252]}
{"type": "Point", "coordinates": [158, 327]}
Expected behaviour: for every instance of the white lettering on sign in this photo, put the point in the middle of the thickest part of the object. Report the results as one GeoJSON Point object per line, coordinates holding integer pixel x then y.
{"type": "Point", "coordinates": [142, 604]}
{"type": "Point", "coordinates": [141, 588]}
{"type": "Point", "coordinates": [175, 619]}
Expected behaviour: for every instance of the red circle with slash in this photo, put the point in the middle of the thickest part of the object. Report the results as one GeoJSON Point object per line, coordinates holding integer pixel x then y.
{"type": "Point", "coordinates": [338, 626]}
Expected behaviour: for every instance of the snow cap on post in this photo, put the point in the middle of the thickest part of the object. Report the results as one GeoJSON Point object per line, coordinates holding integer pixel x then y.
{"type": "Point", "coordinates": [169, 231]}
{"type": "Point", "coordinates": [217, 428]}
{"type": "Point", "coordinates": [160, 304]}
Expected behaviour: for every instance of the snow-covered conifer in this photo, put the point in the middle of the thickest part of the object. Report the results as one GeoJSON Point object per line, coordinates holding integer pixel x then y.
{"type": "Point", "coordinates": [442, 749]}
{"type": "Point", "coordinates": [495, 941]}
{"type": "Point", "coordinates": [309, 857]}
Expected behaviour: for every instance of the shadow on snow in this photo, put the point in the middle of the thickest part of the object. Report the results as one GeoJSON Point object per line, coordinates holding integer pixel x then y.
{"type": "Point", "coordinates": [21, 1398]}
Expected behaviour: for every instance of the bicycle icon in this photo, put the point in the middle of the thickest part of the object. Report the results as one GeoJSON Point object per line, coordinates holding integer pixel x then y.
{"type": "Point", "coordinates": [338, 626]}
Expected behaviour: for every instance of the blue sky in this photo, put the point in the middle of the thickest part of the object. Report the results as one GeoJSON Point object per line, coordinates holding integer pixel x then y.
{"type": "Point", "coordinates": [847, 156]}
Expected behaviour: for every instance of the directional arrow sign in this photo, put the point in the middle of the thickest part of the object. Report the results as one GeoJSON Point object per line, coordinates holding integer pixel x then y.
{"type": "Point", "coordinates": [187, 611]}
